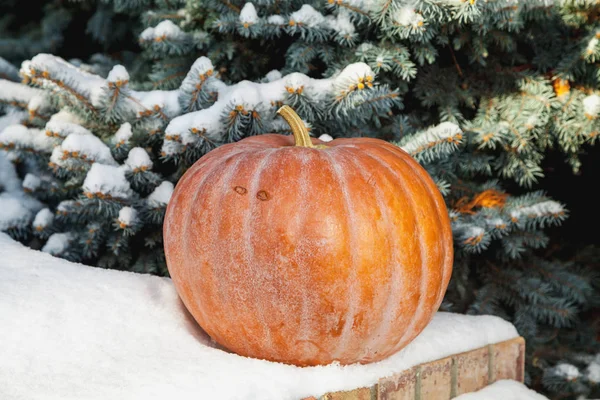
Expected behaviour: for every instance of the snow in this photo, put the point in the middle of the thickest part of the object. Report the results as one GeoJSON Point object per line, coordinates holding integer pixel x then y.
{"type": "Point", "coordinates": [350, 76]}
{"type": "Point", "coordinates": [591, 105]}
{"type": "Point", "coordinates": [472, 231]}
{"type": "Point", "coordinates": [14, 212]}
{"type": "Point", "coordinates": [548, 207]}
{"type": "Point", "coordinates": [325, 137]}
{"type": "Point", "coordinates": [138, 158]}
{"type": "Point", "coordinates": [162, 194]}
{"type": "Point", "coordinates": [248, 14]}
{"type": "Point", "coordinates": [65, 205]}
{"type": "Point", "coordinates": [591, 46]}
{"type": "Point", "coordinates": [43, 218]}
{"type": "Point", "coordinates": [124, 133]}
{"type": "Point", "coordinates": [273, 75]}
{"type": "Point", "coordinates": [127, 215]}
{"type": "Point", "coordinates": [406, 16]}
{"type": "Point", "coordinates": [342, 24]}
{"type": "Point", "coordinates": [445, 130]}
{"type": "Point", "coordinates": [568, 371]}
{"type": "Point", "coordinates": [208, 119]}
{"type": "Point", "coordinates": [503, 390]}
{"type": "Point", "coordinates": [108, 180]}
{"type": "Point", "coordinates": [9, 181]}
{"type": "Point", "coordinates": [25, 138]}
{"type": "Point", "coordinates": [39, 103]}
{"type": "Point", "coordinates": [164, 30]}
{"type": "Point", "coordinates": [62, 129]}
{"type": "Point", "coordinates": [276, 20]}
{"type": "Point", "coordinates": [31, 182]}
{"type": "Point", "coordinates": [77, 332]}
{"type": "Point", "coordinates": [65, 116]}
{"type": "Point", "coordinates": [497, 222]}
{"type": "Point", "coordinates": [307, 16]}
{"type": "Point", "coordinates": [165, 100]}
{"type": "Point", "coordinates": [89, 85]}
{"type": "Point", "coordinates": [89, 146]}
{"type": "Point", "coordinates": [15, 134]}
{"type": "Point", "coordinates": [13, 91]}
{"type": "Point", "coordinates": [200, 67]}
{"type": "Point", "coordinates": [593, 370]}
{"type": "Point", "coordinates": [257, 96]}
{"type": "Point", "coordinates": [118, 73]}
{"type": "Point", "coordinates": [57, 243]}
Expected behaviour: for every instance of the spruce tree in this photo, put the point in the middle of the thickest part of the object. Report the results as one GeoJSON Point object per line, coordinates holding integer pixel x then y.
{"type": "Point", "coordinates": [477, 91]}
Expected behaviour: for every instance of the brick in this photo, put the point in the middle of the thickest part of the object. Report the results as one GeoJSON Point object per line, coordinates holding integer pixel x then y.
{"type": "Point", "coordinates": [472, 369]}
{"type": "Point", "coordinates": [509, 360]}
{"type": "Point", "coordinates": [401, 386]}
{"type": "Point", "coordinates": [368, 393]}
{"type": "Point", "coordinates": [436, 380]}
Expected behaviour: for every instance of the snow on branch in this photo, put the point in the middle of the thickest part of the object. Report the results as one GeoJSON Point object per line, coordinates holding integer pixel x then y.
{"type": "Point", "coordinates": [80, 148]}
{"type": "Point", "coordinates": [138, 160]}
{"type": "Point", "coordinates": [128, 218]}
{"type": "Point", "coordinates": [106, 182]}
{"type": "Point", "coordinates": [542, 213]}
{"type": "Point", "coordinates": [17, 95]}
{"type": "Point", "coordinates": [248, 108]}
{"type": "Point", "coordinates": [248, 15]}
{"type": "Point", "coordinates": [167, 39]}
{"type": "Point", "coordinates": [58, 243]}
{"type": "Point", "coordinates": [591, 106]}
{"type": "Point", "coordinates": [54, 73]}
{"type": "Point", "coordinates": [200, 88]}
{"type": "Point", "coordinates": [433, 143]}
{"type": "Point", "coordinates": [43, 219]}
{"type": "Point", "coordinates": [111, 97]}
{"type": "Point", "coordinates": [19, 137]}
{"type": "Point", "coordinates": [14, 213]}
{"type": "Point", "coordinates": [161, 195]}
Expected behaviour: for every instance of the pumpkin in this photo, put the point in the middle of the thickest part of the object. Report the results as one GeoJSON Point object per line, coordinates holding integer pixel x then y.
{"type": "Point", "coordinates": [289, 249]}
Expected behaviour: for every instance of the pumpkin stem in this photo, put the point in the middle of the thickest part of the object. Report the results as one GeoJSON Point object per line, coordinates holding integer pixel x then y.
{"type": "Point", "coordinates": [301, 136]}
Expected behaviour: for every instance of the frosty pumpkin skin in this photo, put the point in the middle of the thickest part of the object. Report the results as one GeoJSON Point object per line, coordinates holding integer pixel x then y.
{"type": "Point", "coordinates": [308, 255]}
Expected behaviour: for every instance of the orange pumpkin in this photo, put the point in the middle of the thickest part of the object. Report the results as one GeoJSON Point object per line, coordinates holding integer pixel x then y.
{"type": "Point", "coordinates": [289, 249]}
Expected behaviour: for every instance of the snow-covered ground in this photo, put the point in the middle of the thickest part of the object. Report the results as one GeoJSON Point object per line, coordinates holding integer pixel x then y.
{"type": "Point", "coordinates": [503, 390]}
{"type": "Point", "coordinates": [70, 332]}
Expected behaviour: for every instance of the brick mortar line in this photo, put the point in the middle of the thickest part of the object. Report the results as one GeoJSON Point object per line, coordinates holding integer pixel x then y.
{"type": "Point", "coordinates": [418, 382]}
{"type": "Point", "coordinates": [453, 378]}
{"type": "Point", "coordinates": [491, 364]}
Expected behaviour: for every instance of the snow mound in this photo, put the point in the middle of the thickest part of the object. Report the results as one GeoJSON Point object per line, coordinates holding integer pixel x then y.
{"type": "Point", "coordinates": [76, 332]}
{"type": "Point", "coordinates": [503, 390]}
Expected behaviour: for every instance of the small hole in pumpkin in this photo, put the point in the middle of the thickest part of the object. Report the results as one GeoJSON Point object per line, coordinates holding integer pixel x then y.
{"type": "Point", "coordinates": [240, 190]}
{"type": "Point", "coordinates": [263, 195]}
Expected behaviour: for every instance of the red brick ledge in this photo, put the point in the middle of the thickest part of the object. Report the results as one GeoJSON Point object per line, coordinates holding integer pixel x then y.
{"type": "Point", "coordinates": [448, 377]}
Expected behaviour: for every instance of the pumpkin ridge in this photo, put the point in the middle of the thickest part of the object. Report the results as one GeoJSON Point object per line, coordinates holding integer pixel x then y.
{"type": "Point", "coordinates": [393, 287]}
{"type": "Point", "coordinates": [216, 170]}
{"type": "Point", "coordinates": [400, 175]}
{"type": "Point", "coordinates": [191, 175]}
{"type": "Point", "coordinates": [423, 178]}
{"type": "Point", "coordinates": [440, 204]}
{"type": "Point", "coordinates": [397, 285]}
{"type": "Point", "coordinates": [400, 184]}
{"type": "Point", "coordinates": [353, 299]}
{"type": "Point", "coordinates": [305, 324]}
{"type": "Point", "coordinates": [248, 252]}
